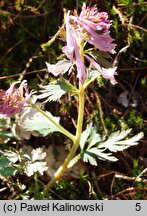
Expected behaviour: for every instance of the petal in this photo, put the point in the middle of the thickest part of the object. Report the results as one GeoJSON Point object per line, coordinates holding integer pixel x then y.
{"type": "Point", "coordinates": [14, 99]}
{"type": "Point", "coordinates": [80, 64]}
{"type": "Point", "coordinates": [11, 88]}
{"type": "Point", "coordinates": [102, 22]}
{"type": "Point", "coordinates": [107, 73]}
{"type": "Point", "coordinates": [92, 25]}
{"type": "Point", "coordinates": [101, 41]}
{"type": "Point", "coordinates": [69, 49]}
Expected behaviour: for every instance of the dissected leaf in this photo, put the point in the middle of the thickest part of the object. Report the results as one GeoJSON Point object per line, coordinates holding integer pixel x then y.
{"type": "Point", "coordinates": [4, 161]}
{"type": "Point", "coordinates": [90, 136]}
{"type": "Point", "coordinates": [118, 135]}
{"type": "Point", "coordinates": [84, 136]}
{"type": "Point", "coordinates": [94, 138]}
{"type": "Point", "coordinates": [12, 156]}
{"type": "Point", "coordinates": [18, 127]}
{"type": "Point", "coordinates": [5, 135]}
{"type": "Point", "coordinates": [100, 154]}
{"type": "Point", "coordinates": [31, 168]}
{"type": "Point", "coordinates": [38, 154]}
{"type": "Point", "coordinates": [56, 89]}
{"type": "Point", "coordinates": [8, 171]}
{"type": "Point", "coordinates": [22, 162]}
{"type": "Point", "coordinates": [93, 148]}
{"type": "Point", "coordinates": [35, 164]}
{"type": "Point", "coordinates": [41, 124]}
{"type": "Point", "coordinates": [88, 156]}
{"type": "Point", "coordinates": [94, 153]}
{"type": "Point", "coordinates": [52, 92]}
{"type": "Point", "coordinates": [115, 143]}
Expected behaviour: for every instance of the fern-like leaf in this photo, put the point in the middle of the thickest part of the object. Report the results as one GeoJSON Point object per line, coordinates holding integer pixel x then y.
{"type": "Point", "coordinates": [55, 90]}
{"type": "Point", "coordinates": [115, 143]}
{"type": "Point", "coordinates": [41, 124]}
{"type": "Point", "coordinates": [92, 147]}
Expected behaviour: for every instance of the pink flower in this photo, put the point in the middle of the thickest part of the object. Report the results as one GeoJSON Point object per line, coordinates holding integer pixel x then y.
{"type": "Point", "coordinates": [97, 26]}
{"type": "Point", "coordinates": [71, 49]}
{"type": "Point", "coordinates": [94, 19]}
{"type": "Point", "coordinates": [102, 42]}
{"type": "Point", "coordinates": [90, 26]}
{"type": "Point", "coordinates": [107, 73]}
{"type": "Point", "coordinates": [12, 100]}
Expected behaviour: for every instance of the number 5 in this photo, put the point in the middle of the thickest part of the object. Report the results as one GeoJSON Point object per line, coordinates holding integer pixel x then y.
{"type": "Point", "coordinates": [138, 206]}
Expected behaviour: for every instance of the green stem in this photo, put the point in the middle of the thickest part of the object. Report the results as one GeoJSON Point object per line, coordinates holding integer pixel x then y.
{"type": "Point", "coordinates": [76, 142]}
{"type": "Point", "coordinates": [75, 146]}
{"type": "Point", "coordinates": [61, 129]}
{"type": "Point", "coordinates": [36, 182]}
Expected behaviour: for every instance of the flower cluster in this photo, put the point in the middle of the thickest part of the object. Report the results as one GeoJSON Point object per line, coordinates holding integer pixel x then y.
{"type": "Point", "coordinates": [91, 27]}
{"type": "Point", "coordinates": [97, 25]}
{"type": "Point", "coordinates": [12, 100]}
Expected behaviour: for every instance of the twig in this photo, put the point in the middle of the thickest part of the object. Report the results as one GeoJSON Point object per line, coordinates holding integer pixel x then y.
{"type": "Point", "coordinates": [138, 177]}
{"type": "Point", "coordinates": [132, 179]}
{"type": "Point", "coordinates": [133, 4]}
{"type": "Point", "coordinates": [137, 59]}
{"type": "Point", "coordinates": [96, 183]}
{"type": "Point", "coordinates": [124, 49]}
{"type": "Point", "coordinates": [138, 27]}
{"type": "Point", "coordinates": [129, 190]}
{"type": "Point", "coordinates": [16, 75]}
{"type": "Point", "coordinates": [132, 69]}
{"type": "Point", "coordinates": [111, 187]}
{"type": "Point", "coordinates": [28, 65]}
{"type": "Point", "coordinates": [122, 18]}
